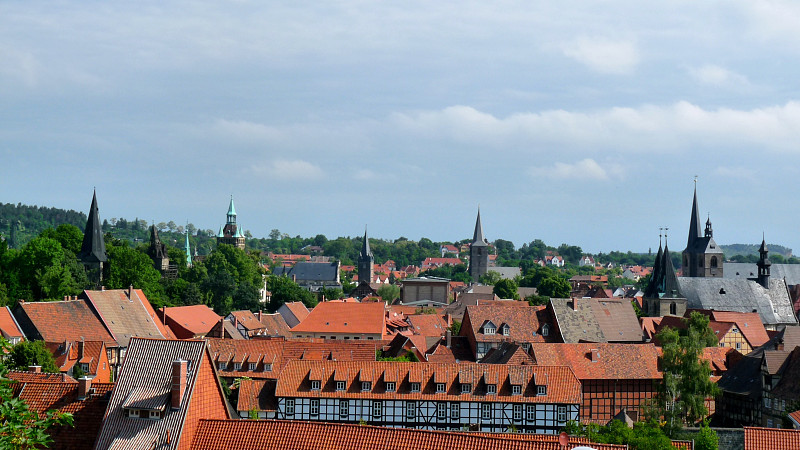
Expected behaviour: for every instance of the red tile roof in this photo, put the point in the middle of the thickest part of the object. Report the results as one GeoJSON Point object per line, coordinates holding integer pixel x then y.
{"type": "Point", "coordinates": [524, 322]}
{"type": "Point", "coordinates": [48, 318]}
{"type": "Point", "coordinates": [67, 354]}
{"type": "Point", "coordinates": [192, 321]}
{"type": "Point", "coordinates": [749, 324]}
{"type": "Point", "coordinates": [294, 435]}
{"type": "Point", "coordinates": [427, 324]}
{"type": "Point", "coordinates": [248, 320]}
{"type": "Point", "coordinates": [649, 325]}
{"type": "Point", "coordinates": [8, 325]}
{"type": "Point", "coordinates": [275, 325]}
{"type": "Point", "coordinates": [344, 318]}
{"type": "Point", "coordinates": [39, 377]}
{"type": "Point", "coordinates": [771, 439]}
{"type": "Point", "coordinates": [562, 385]}
{"type": "Point", "coordinates": [298, 309]}
{"type": "Point", "coordinates": [593, 361]}
{"type": "Point", "coordinates": [258, 395]}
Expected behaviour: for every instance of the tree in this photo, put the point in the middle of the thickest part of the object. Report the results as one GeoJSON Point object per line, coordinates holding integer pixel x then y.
{"type": "Point", "coordinates": [506, 288]}
{"type": "Point", "coordinates": [706, 439]}
{"type": "Point", "coordinates": [455, 327]}
{"type": "Point", "coordinates": [490, 278]}
{"type": "Point", "coordinates": [687, 383]}
{"type": "Point", "coordinates": [389, 292]}
{"type": "Point", "coordinates": [285, 290]}
{"type": "Point", "coordinates": [31, 353]}
{"type": "Point", "coordinates": [555, 287]}
{"type": "Point", "coordinates": [21, 428]}
{"type": "Point", "coordinates": [130, 267]}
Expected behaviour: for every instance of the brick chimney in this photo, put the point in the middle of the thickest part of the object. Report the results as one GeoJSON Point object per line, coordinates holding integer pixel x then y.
{"type": "Point", "coordinates": [448, 338]}
{"type": "Point", "coordinates": [81, 348]}
{"type": "Point", "coordinates": [35, 369]}
{"type": "Point", "coordinates": [179, 374]}
{"type": "Point", "coordinates": [574, 304]}
{"type": "Point", "coordinates": [593, 355]}
{"type": "Point", "coordinates": [260, 313]}
{"type": "Point", "coordinates": [84, 384]}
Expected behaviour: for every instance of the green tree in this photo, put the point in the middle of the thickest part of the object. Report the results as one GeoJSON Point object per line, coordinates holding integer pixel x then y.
{"type": "Point", "coordinates": [31, 353]}
{"type": "Point", "coordinates": [706, 439]}
{"type": "Point", "coordinates": [490, 278]}
{"type": "Point", "coordinates": [555, 287]}
{"type": "Point", "coordinates": [20, 427]}
{"type": "Point", "coordinates": [128, 266]}
{"type": "Point", "coordinates": [455, 327]}
{"type": "Point", "coordinates": [284, 290]}
{"type": "Point", "coordinates": [506, 288]}
{"type": "Point", "coordinates": [389, 292]}
{"type": "Point", "coordinates": [687, 383]}
{"type": "Point", "coordinates": [332, 293]}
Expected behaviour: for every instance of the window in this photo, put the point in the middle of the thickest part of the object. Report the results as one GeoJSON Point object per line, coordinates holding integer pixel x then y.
{"type": "Point", "coordinates": [290, 407]}
{"type": "Point", "coordinates": [133, 413]}
{"type": "Point", "coordinates": [517, 413]}
{"type": "Point", "coordinates": [541, 390]}
{"type": "Point", "coordinates": [486, 411]}
{"type": "Point", "coordinates": [366, 386]}
{"type": "Point", "coordinates": [85, 367]}
{"type": "Point", "coordinates": [411, 410]}
{"type": "Point", "coordinates": [315, 385]}
{"type": "Point", "coordinates": [506, 330]}
{"type": "Point", "coordinates": [340, 385]}
{"type": "Point", "coordinates": [491, 389]}
{"type": "Point", "coordinates": [489, 330]}
{"type": "Point", "coordinates": [466, 388]}
{"type": "Point", "coordinates": [237, 366]}
{"type": "Point", "coordinates": [530, 412]}
{"type": "Point", "coordinates": [562, 414]}
{"type": "Point", "coordinates": [713, 261]}
{"type": "Point", "coordinates": [377, 409]}
{"type": "Point", "coordinates": [344, 409]}
{"type": "Point", "coordinates": [673, 308]}
{"type": "Point", "coordinates": [155, 414]}
{"type": "Point", "coordinates": [441, 410]}
{"type": "Point", "coordinates": [516, 389]}
{"type": "Point", "coordinates": [268, 367]}
{"type": "Point", "coordinates": [545, 330]}
{"type": "Point", "coordinates": [390, 386]}
{"type": "Point", "coordinates": [455, 411]}
{"type": "Point", "coordinates": [414, 387]}
{"type": "Point", "coordinates": [738, 346]}
{"type": "Point", "coordinates": [221, 365]}
{"type": "Point", "coordinates": [314, 407]}
{"type": "Point", "coordinates": [251, 366]}
{"type": "Point", "coordinates": [767, 402]}
{"type": "Point", "coordinates": [439, 388]}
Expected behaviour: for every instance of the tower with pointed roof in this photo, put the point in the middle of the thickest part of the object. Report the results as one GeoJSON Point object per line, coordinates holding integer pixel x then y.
{"type": "Point", "coordinates": [230, 233]}
{"type": "Point", "coordinates": [702, 257]}
{"type": "Point", "coordinates": [763, 265]}
{"type": "Point", "coordinates": [478, 252]}
{"type": "Point", "coordinates": [188, 251]}
{"type": "Point", "coordinates": [365, 262]}
{"type": "Point", "coordinates": [158, 251]}
{"type": "Point", "coordinates": [93, 249]}
{"type": "Point", "coordinates": [662, 296]}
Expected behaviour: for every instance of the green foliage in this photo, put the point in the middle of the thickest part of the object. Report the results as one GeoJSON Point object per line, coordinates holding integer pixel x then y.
{"type": "Point", "coordinates": [409, 356]}
{"type": "Point", "coordinates": [490, 278]}
{"type": "Point", "coordinates": [30, 221]}
{"type": "Point", "coordinates": [644, 435]}
{"type": "Point", "coordinates": [128, 266]}
{"type": "Point", "coordinates": [389, 292]}
{"type": "Point", "coordinates": [506, 289]}
{"type": "Point", "coordinates": [20, 427]}
{"type": "Point", "coordinates": [425, 310]}
{"type": "Point", "coordinates": [252, 414]}
{"type": "Point", "coordinates": [455, 327]}
{"type": "Point", "coordinates": [537, 300]}
{"type": "Point", "coordinates": [454, 273]}
{"type": "Point", "coordinates": [706, 439]}
{"type": "Point", "coordinates": [555, 287]}
{"type": "Point", "coordinates": [31, 353]}
{"type": "Point", "coordinates": [284, 290]}
{"type": "Point", "coordinates": [332, 293]}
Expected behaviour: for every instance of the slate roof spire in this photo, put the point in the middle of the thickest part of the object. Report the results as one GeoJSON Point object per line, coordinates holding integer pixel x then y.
{"type": "Point", "coordinates": [365, 250]}
{"type": "Point", "coordinates": [93, 249]}
{"type": "Point", "coordinates": [477, 238]}
{"type": "Point", "coordinates": [763, 265]}
{"type": "Point", "coordinates": [231, 212]}
{"type": "Point", "coordinates": [695, 231]}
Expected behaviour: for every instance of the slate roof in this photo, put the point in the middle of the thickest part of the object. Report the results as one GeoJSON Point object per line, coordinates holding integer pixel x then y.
{"type": "Point", "coordinates": [596, 320]}
{"type": "Point", "coordinates": [191, 321]}
{"type": "Point", "coordinates": [45, 321]}
{"type": "Point", "coordinates": [295, 435]}
{"type": "Point", "coordinates": [773, 304]}
{"type": "Point", "coordinates": [145, 379]}
{"type": "Point", "coordinates": [9, 328]}
{"type": "Point", "coordinates": [743, 271]}
{"type": "Point", "coordinates": [599, 361]}
{"type": "Point", "coordinates": [126, 313]}
{"type": "Point", "coordinates": [506, 272]}
{"type": "Point", "coordinates": [349, 318]}
{"type": "Point", "coordinates": [63, 396]}
{"type": "Point", "coordinates": [93, 248]}
{"type": "Point", "coordinates": [310, 271]}
{"type": "Point", "coordinates": [507, 353]}
{"type": "Point", "coordinates": [771, 439]}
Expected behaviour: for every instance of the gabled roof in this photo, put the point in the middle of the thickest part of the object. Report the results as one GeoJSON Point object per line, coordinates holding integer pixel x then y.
{"type": "Point", "coordinates": [9, 328]}
{"type": "Point", "coordinates": [25, 376]}
{"type": "Point", "coordinates": [749, 323]}
{"type": "Point", "coordinates": [771, 439]}
{"type": "Point", "coordinates": [596, 320]}
{"type": "Point", "coordinates": [247, 320]}
{"type": "Point", "coordinates": [773, 305]}
{"type": "Point", "coordinates": [275, 325]}
{"type": "Point", "coordinates": [256, 395]}
{"type": "Point", "coordinates": [298, 309]}
{"type": "Point", "coordinates": [191, 321]}
{"type": "Point", "coordinates": [525, 323]}
{"type": "Point", "coordinates": [45, 321]}
{"type": "Point", "coordinates": [126, 313]}
{"type": "Point", "coordinates": [427, 324]}
{"type": "Point", "coordinates": [67, 354]}
{"type": "Point", "coordinates": [296, 435]}
{"type": "Point", "coordinates": [477, 238]}
{"type": "Point", "coordinates": [598, 361]}
{"type": "Point", "coordinates": [145, 380]}
{"type": "Point", "coordinates": [350, 318]}
{"type": "Point", "coordinates": [507, 353]}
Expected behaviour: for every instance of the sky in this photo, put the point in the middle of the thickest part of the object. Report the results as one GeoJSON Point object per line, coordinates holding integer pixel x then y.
{"type": "Point", "coordinates": [579, 122]}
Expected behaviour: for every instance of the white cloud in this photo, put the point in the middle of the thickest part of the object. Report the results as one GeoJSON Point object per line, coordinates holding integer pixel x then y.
{"type": "Point", "coordinates": [249, 131]}
{"type": "Point", "coordinates": [286, 170]}
{"type": "Point", "coordinates": [736, 172]}
{"type": "Point", "coordinates": [586, 169]}
{"type": "Point", "coordinates": [718, 76]}
{"type": "Point", "coordinates": [604, 55]}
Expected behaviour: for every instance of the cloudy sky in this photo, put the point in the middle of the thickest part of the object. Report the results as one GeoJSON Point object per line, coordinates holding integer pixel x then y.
{"type": "Point", "coordinates": [572, 121]}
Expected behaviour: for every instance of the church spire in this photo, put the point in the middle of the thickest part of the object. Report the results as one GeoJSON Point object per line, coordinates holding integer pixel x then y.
{"type": "Point", "coordinates": [93, 249]}
{"type": "Point", "coordinates": [231, 212]}
{"type": "Point", "coordinates": [477, 238]}
{"type": "Point", "coordinates": [763, 264]}
{"type": "Point", "coordinates": [365, 250]}
{"type": "Point", "coordinates": [188, 250]}
{"type": "Point", "coordinates": [695, 231]}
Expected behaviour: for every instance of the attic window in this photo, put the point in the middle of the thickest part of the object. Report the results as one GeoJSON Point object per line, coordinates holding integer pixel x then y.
{"type": "Point", "coordinates": [251, 366]}
{"type": "Point", "coordinates": [506, 330]}
{"type": "Point", "coordinates": [268, 367]}
{"type": "Point", "coordinates": [340, 385]}
{"type": "Point", "coordinates": [541, 390]}
{"type": "Point", "coordinates": [415, 387]}
{"type": "Point", "coordinates": [366, 386]}
{"type": "Point", "coordinates": [466, 388]}
{"type": "Point", "coordinates": [545, 330]}
{"type": "Point", "coordinates": [390, 386]}
{"type": "Point", "coordinates": [722, 291]}
{"type": "Point", "coordinates": [491, 389]}
{"type": "Point", "coordinates": [440, 388]}
{"type": "Point", "coordinates": [516, 389]}
{"type": "Point", "coordinates": [315, 385]}
{"type": "Point", "coordinates": [489, 330]}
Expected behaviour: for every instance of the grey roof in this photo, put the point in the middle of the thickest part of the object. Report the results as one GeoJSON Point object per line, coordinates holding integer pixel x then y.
{"type": "Point", "coordinates": [477, 238]}
{"type": "Point", "coordinates": [310, 271]}
{"type": "Point", "coordinates": [743, 271]}
{"type": "Point", "coordinates": [725, 294]}
{"type": "Point", "coordinates": [93, 248]}
{"type": "Point", "coordinates": [506, 272]}
{"type": "Point", "coordinates": [596, 320]}
{"type": "Point", "coordinates": [365, 251]}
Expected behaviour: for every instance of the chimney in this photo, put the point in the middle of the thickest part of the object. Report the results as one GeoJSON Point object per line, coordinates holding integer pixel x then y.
{"type": "Point", "coordinates": [260, 313]}
{"type": "Point", "coordinates": [35, 369]}
{"type": "Point", "coordinates": [593, 355]}
{"type": "Point", "coordinates": [179, 372]}
{"type": "Point", "coordinates": [80, 349]}
{"type": "Point", "coordinates": [84, 384]}
{"type": "Point", "coordinates": [294, 278]}
{"type": "Point", "coordinates": [164, 314]}
{"type": "Point", "coordinates": [221, 328]}
{"type": "Point", "coordinates": [130, 292]}
{"type": "Point", "coordinates": [574, 304]}
{"type": "Point", "coordinates": [448, 338]}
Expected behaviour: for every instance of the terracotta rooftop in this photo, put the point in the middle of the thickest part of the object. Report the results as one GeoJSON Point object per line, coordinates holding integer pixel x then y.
{"type": "Point", "coordinates": [24, 376]}
{"type": "Point", "coordinates": [294, 435]}
{"type": "Point", "coordinates": [345, 318]}
{"type": "Point", "coordinates": [191, 321]}
{"type": "Point", "coordinates": [591, 361]}
{"type": "Point", "coordinates": [45, 321]}
{"type": "Point", "coordinates": [524, 323]}
{"type": "Point", "coordinates": [9, 328]}
{"type": "Point", "coordinates": [126, 313]}
{"type": "Point", "coordinates": [256, 395]}
{"type": "Point", "coordinates": [749, 324]}
{"type": "Point", "coordinates": [298, 309]}
{"type": "Point", "coordinates": [771, 439]}
{"type": "Point", "coordinates": [275, 325]}
{"type": "Point", "coordinates": [427, 324]}
{"type": "Point", "coordinates": [248, 320]}
{"type": "Point", "coordinates": [67, 354]}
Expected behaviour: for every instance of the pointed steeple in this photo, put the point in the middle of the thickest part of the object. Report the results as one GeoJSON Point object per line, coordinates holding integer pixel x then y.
{"type": "Point", "coordinates": [657, 274]}
{"type": "Point", "coordinates": [477, 238]}
{"type": "Point", "coordinates": [231, 212]}
{"type": "Point", "coordinates": [669, 286]}
{"type": "Point", "coordinates": [365, 251]}
{"type": "Point", "coordinates": [188, 251]}
{"type": "Point", "coordinates": [695, 231]}
{"type": "Point", "coordinates": [763, 265]}
{"type": "Point", "coordinates": [93, 249]}
{"type": "Point", "coordinates": [366, 271]}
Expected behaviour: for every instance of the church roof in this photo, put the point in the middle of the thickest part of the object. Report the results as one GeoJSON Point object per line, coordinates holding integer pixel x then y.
{"type": "Point", "coordinates": [231, 208]}
{"type": "Point", "coordinates": [695, 232]}
{"type": "Point", "coordinates": [726, 294]}
{"type": "Point", "coordinates": [93, 248]}
{"type": "Point", "coordinates": [743, 271]}
{"type": "Point", "coordinates": [477, 237]}
{"type": "Point", "coordinates": [365, 250]}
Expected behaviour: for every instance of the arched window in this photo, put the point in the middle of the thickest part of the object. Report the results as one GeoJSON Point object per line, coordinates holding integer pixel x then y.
{"type": "Point", "coordinates": [713, 261]}
{"type": "Point", "coordinates": [545, 329]}
{"type": "Point", "coordinates": [673, 309]}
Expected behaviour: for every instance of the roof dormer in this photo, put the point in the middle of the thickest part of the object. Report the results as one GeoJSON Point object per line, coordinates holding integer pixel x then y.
{"type": "Point", "coordinates": [488, 327]}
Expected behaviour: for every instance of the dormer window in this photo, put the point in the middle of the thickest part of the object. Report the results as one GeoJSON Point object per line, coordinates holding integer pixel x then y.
{"type": "Point", "coordinates": [315, 384]}
{"type": "Point", "coordinates": [505, 329]}
{"type": "Point", "coordinates": [489, 329]}
{"type": "Point", "coordinates": [541, 390]}
{"type": "Point", "coordinates": [466, 388]}
{"type": "Point", "coordinates": [491, 389]}
{"type": "Point", "coordinates": [133, 413]}
{"type": "Point", "coordinates": [155, 414]}
{"type": "Point", "coordinates": [85, 367]}
{"type": "Point", "coordinates": [268, 367]}
{"type": "Point", "coordinates": [516, 389]}
{"type": "Point", "coordinates": [545, 330]}
{"type": "Point", "coordinates": [390, 386]}
{"type": "Point", "coordinates": [440, 388]}
{"type": "Point", "coordinates": [251, 366]}
{"type": "Point", "coordinates": [415, 387]}
{"type": "Point", "coordinates": [221, 365]}
{"type": "Point", "coordinates": [366, 386]}
{"type": "Point", "coordinates": [237, 366]}
{"type": "Point", "coordinates": [340, 385]}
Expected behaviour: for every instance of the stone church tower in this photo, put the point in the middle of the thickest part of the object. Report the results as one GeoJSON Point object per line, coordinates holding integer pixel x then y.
{"type": "Point", "coordinates": [366, 272]}
{"type": "Point", "coordinates": [93, 250]}
{"type": "Point", "coordinates": [231, 234]}
{"type": "Point", "coordinates": [702, 257]}
{"type": "Point", "coordinates": [478, 252]}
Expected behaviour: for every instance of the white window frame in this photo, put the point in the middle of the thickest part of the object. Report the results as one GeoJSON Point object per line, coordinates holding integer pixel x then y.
{"type": "Point", "coordinates": [390, 386]}
{"type": "Point", "coordinates": [441, 410]}
{"type": "Point", "coordinates": [251, 366]}
{"type": "Point", "coordinates": [366, 386]}
{"type": "Point", "coordinates": [340, 385]}
{"type": "Point", "coordinates": [411, 410]}
{"type": "Point", "coordinates": [486, 411]}
{"type": "Point", "coordinates": [491, 389]}
{"type": "Point", "coordinates": [315, 385]}
{"type": "Point", "coordinates": [133, 412]}
{"type": "Point", "coordinates": [489, 330]}
{"type": "Point", "coordinates": [377, 409]}
{"type": "Point", "coordinates": [344, 409]}
{"type": "Point", "coordinates": [221, 365]}
{"type": "Point", "coordinates": [440, 388]}
{"type": "Point", "coordinates": [516, 389]}
{"type": "Point", "coordinates": [530, 412]}
{"type": "Point", "coordinates": [506, 331]}
{"type": "Point", "coordinates": [289, 407]}
{"type": "Point", "coordinates": [154, 415]}
{"type": "Point", "coordinates": [541, 390]}
{"type": "Point", "coordinates": [85, 367]}
{"type": "Point", "coordinates": [517, 414]}
{"type": "Point", "coordinates": [237, 366]}
{"type": "Point", "coordinates": [455, 411]}
{"type": "Point", "coordinates": [314, 408]}
{"type": "Point", "coordinates": [268, 367]}
{"type": "Point", "coordinates": [415, 387]}
{"type": "Point", "coordinates": [561, 413]}
{"type": "Point", "coordinates": [466, 388]}
{"type": "Point", "coordinates": [545, 330]}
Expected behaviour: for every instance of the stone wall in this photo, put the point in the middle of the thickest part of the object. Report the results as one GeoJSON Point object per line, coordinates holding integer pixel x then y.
{"type": "Point", "coordinates": [729, 438]}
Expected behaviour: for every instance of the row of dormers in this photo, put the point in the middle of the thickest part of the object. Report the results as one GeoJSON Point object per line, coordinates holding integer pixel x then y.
{"type": "Point", "coordinates": [489, 328]}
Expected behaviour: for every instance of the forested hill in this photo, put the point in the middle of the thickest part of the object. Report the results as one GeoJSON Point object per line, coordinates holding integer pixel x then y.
{"type": "Point", "coordinates": [752, 250]}
{"type": "Point", "coordinates": [20, 223]}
